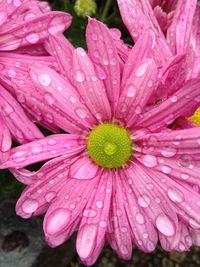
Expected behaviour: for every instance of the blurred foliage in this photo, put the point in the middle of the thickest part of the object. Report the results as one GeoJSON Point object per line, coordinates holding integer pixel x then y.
{"type": "Point", "coordinates": [9, 185]}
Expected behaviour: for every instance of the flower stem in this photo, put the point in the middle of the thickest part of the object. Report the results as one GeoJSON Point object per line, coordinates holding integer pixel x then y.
{"type": "Point", "coordinates": [106, 9]}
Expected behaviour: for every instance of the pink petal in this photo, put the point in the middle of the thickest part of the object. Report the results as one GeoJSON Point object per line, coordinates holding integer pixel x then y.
{"type": "Point", "coordinates": [91, 234]}
{"type": "Point", "coordinates": [43, 190]}
{"type": "Point", "coordinates": [69, 204]}
{"type": "Point", "coordinates": [180, 103]}
{"type": "Point", "coordinates": [194, 51]}
{"type": "Point", "coordinates": [5, 141]}
{"type": "Point", "coordinates": [84, 168]}
{"type": "Point", "coordinates": [89, 86]}
{"type": "Point", "coordinates": [179, 32]}
{"type": "Point", "coordinates": [14, 38]}
{"type": "Point", "coordinates": [61, 49]}
{"type": "Point", "coordinates": [60, 96]}
{"type": "Point", "coordinates": [138, 17]}
{"type": "Point", "coordinates": [16, 120]}
{"type": "Point", "coordinates": [149, 196]}
{"type": "Point", "coordinates": [143, 232]}
{"type": "Point", "coordinates": [138, 89]}
{"type": "Point", "coordinates": [103, 52]}
{"type": "Point", "coordinates": [43, 149]}
{"type": "Point", "coordinates": [119, 230]}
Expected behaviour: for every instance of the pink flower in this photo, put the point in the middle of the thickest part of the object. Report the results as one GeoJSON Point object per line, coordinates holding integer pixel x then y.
{"type": "Point", "coordinates": [176, 28]}
{"type": "Point", "coordinates": [121, 174]}
{"type": "Point", "coordinates": [24, 28]}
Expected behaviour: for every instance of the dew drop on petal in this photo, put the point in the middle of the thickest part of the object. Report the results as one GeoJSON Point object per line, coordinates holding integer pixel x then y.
{"type": "Point", "coordinates": [49, 98]}
{"type": "Point", "coordinates": [86, 240]}
{"type": "Point", "coordinates": [149, 161]}
{"type": "Point", "coordinates": [36, 148]}
{"type": "Point", "coordinates": [103, 224]}
{"type": "Point", "coordinates": [79, 76]}
{"type": "Point", "coordinates": [140, 71]}
{"type": "Point", "coordinates": [168, 152]}
{"type": "Point", "coordinates": [50, 196]}
{"type": "Point", "coordinates": [19, 156]}
{"type": "Point", "coordinates": [131, 90]}
{"type": "Point", "coordinates": [174, 99]}
{"type": "Point", "coordinates": [99, 204]}
{"type": "Point", "coordinates": [32, 38]}
{"type": "Point", "coordinates": [57, 220]}
{"type": "Point", "coordinates": [144, 201]}
{"type": "Point", "coordinates": [81, 113]}
{"type": "Point", "coordinates": [30, 205]}
{"type": "Point", "coordinates": [165, 225]}
{"type": "Point", "coordinates": [44, 79]}
{"type": "Point", "coordinates": [139, 218]}
{"type": "Point", "coordinates": [166, 169]}
{"type": "Point", "coordinates": [90, 213]}
{"type": "Point", "coordinates": [175, 195]}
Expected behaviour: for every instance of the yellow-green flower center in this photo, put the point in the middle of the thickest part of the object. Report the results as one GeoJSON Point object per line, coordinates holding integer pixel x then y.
{"type": "Point", "coordinates": [195, 118]}
{"type": "Point", "coordinates": [109, 145]}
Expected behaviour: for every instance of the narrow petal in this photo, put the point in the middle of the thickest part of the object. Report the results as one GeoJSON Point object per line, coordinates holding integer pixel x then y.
{"type": "Point", "coordinates": [69, 204]}
{"type": "Point", "coordinates": [61, 96]}
{"type": "Point", "coordinates": [179, 32]}
{"type": "Point", "coordinates": [119, 232]}
{"type": "Point", "coordinates": [5, 141]}
{"type": "Point", "coordinates": [152, 200]}
{"type": "Point", "coordinates": [20, 126]}
{"type": "Point", "coordinates": [139, 18]}
{"type": "Point", "coordinates": [137, 91]}
{"type": "Point", "coordinates": [43, 149]}
{"type": "Point", "coordinates": [185, 99]}
{"type": "Point", "coordinates": [143, 230]}
{"type": "Point", "coordinates": [90, 87]}
{"type": "Point", "coordinates": [34, 31]}
{"type": "Point", "coordinates": [91, 234]}
{"type": "Point", "coordinates": [84, 168]}
{"type": "Point", "coordinates": [103, 52]}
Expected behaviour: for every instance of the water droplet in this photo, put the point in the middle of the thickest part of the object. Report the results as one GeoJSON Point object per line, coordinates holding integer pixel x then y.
{"type": "Point", "coordinates": [19, 156]}
{"type": "Point", "coordinates": [174, 99]}
{"type": "Point", "coordinates": [50, 196]}
{"type": "Point", "coordinates": [94, 37]}
{"type": "Point", "coordinates": [32, 38]}
{"type": "Point", "coordinates": [131, 90]}
{"type": "Point", "coordinates": [72, 99]}
{"type": "Point", "coordinates": [12, 73]}
{"type": "Point", "coordinates": [36, 148]}
{"type": "Point", "coordinates": [81, 113]}
{"type": "Point", "coordinates": [124, 249]}
{"type": "Point", "coordinates": [184, 176]}
{"type": "Point", "coordinates": [149, 161]}
{"type": "Point", "coordinates": [8, 109]}
{"type": "Point", "coordinates": [168, 152]}
{"type": "Point", "coordinates": [139, 218]}
{"type": "Point", "coordinates": [49, 98]}
{"type": "Point", "coordinates": [175, 195]}
{"type": "Point", "coordinates": [138, 109]}
{"type": "Point", "coordinates": [57, 221]}
{"type": "Point", "coordinates": [52, 142]}
{"type": "Point", "coordinates": [30, 205]}
{"type": "Point", "coordinates": [166, 169]}
{"type": "Point", "coordinates": [165, 225]}
{"type": "Point", "coordinates": [99, 204]}
{"type": "Point", "coordinates": [44, 79]}
{"type": "Point", "coordinates": [85, 240]}
{"type": "Point", "coordinates": [140, 71]}
{"type": "Point", "coordinates": [79, 76]}
{"type": "Point", "coordinates": [144, 201]}
{"type": "Point", "coordinates": [90, 213]}
{"type": "Point", "coordinates": [103, 224]}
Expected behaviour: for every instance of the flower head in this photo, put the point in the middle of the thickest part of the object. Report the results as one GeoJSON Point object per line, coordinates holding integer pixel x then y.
{"type": "Point", "coordinates": [121, 174]}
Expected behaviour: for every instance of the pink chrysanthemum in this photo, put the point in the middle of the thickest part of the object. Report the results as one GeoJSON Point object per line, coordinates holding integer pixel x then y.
{"type": "Point", "coordinates": [121, 174]}
{"type": "Point", "coordinates": [24, 28]}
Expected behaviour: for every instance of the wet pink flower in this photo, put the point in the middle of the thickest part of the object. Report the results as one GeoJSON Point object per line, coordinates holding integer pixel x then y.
{"type": "Point", "coordinates": [120, 175]}
{"type": "Point", "coordinates": [24, 28]}
{"type": "Point", "coordinates": [176, 28]}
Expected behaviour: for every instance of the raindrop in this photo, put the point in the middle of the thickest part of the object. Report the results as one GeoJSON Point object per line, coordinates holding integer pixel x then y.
{"type": "Point", "coordinates": [79, 76]}
{"type": "Point", "coordinates": [149, 161]}
{"type": "Point", "coordinates": [165, 225]}
{"type": "Point", "coordinates": [30, 205]}
{"type": "Point", "coordinates": [168, 152]}
{"type": "Point", "coordinates": [44, 79]}
{"type": "Point", "coordinates": [175, 195]}
{"type": "Point", "coordinates": [50, 196]}
{"type": "Point", "coordinates": [131, 90]}
{"type": "Point", "coordinates": [99, 204]}
{"type": "Point", "coordinates": [139, 218]}
{"type": "Point", "coordinates": [144, 201]}
{"type": "Point", "coordinates": [140, 71]}
{"type": "Point", "coordinates": [81, 113]}
{"type": "Point", "coordinates": [166, 169]}
{"type": "Point", "coordinates": [90, 213]}
{"type": "Point", "coordinates": [32, 38]}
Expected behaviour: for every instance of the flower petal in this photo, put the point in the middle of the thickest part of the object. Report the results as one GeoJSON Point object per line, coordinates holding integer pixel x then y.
{"type": "Point", "coordinates": [5, 141]}
{"type": "Point", "coordinates": [185, 99]}
{"type": "Point", "coordinates": [143, 231]}
{"type": "Point", "coordinates": [59, 95]}
{"type": "Point", "coordinates": [34, 31]}
{"type": "Point", "coordinates": [90, 87]}
{"type": "Point", "coordinates": [179, 32]}
{"type": "Point", "coordinates": [84, 168]}
{"type": "Point", "coordinates": [137, 91]}
{"type": "Point", "coordinates": [20, 126]}
{"type": "Point", "coordinates": [69, 204]}
{"type": "Point", "coordinates": [103, 52]}
{"type": "Point", "coordinates": [119, 232]}
{"type": "Point", "coordinates": [91, 234]}
{"type": "Point", "coordinates": [43, 149]}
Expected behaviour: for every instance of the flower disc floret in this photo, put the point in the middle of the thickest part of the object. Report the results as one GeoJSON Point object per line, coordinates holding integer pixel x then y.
{"type": "Point", "coordinates": [109, 145]}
